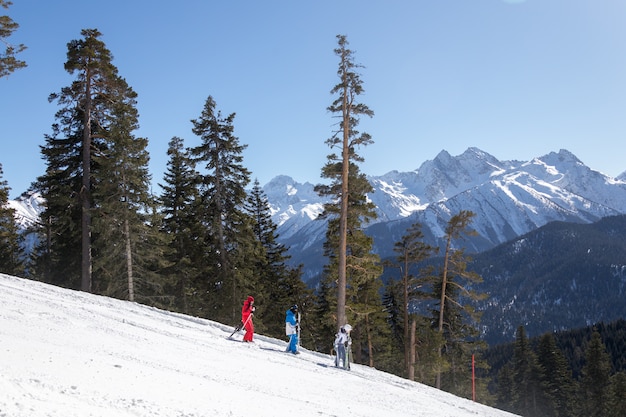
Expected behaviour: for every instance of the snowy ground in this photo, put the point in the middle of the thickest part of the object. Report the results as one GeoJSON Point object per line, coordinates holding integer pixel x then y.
{"type": "Point", "coordinates": [66, 353]}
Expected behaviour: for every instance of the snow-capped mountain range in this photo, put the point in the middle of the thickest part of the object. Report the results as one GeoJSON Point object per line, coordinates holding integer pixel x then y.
{"type": "Point", "coordinates": [509, 198]}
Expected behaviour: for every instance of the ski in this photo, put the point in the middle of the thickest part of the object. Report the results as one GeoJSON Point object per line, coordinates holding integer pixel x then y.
{"type": "Point", "coordinates": [239, 327]}
{"type": "Point", "coordinates": [298, 331]}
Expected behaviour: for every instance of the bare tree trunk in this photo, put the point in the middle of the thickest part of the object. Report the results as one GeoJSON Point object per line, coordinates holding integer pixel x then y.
{"type": "Point", "coordinates": [444, 283]}
{"type": "Point", "coordinates": [407, 343]}
{"type": "Point", "coordinates": [370, 345]}
{"type": "Point", "coordinates": [412, 352]}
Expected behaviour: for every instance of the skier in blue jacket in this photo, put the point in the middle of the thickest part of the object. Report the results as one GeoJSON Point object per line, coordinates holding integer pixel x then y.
{"type": "Point", "coordinates": [292, 329]}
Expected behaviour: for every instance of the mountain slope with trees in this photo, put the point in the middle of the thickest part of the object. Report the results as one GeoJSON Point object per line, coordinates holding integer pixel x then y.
{"type": "Point", "coordinates": [560, 276]}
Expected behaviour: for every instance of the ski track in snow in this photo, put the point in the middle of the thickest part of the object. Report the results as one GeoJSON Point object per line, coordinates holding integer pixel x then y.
{"type": "Point", "coordinates": [71, 354]}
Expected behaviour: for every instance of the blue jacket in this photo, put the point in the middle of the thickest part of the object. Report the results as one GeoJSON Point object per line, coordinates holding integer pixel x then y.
{"type": "Point", "coordinates": [290, 323]}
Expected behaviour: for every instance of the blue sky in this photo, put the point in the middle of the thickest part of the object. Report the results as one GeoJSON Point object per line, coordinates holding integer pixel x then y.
{"type": "Point", "coordinates": [515, 78]}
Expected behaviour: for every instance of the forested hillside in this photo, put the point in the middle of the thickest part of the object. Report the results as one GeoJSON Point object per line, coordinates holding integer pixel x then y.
{"type": "Point", "coordinates": [560, 276]}
{"type": "Point", "coordinates": [561, 369]}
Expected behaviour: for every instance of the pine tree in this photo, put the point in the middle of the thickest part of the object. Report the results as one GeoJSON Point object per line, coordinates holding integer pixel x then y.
{"type": "Point", "coordinates": [82, 130]}
{"type": "Point", "coordinates": [618, 389]}
{"type": "Point", "coordinates": [411, 250]}
{"type": "Point", "coordinates": [595, 384]}
{"type": "Point", "coordinates": [57, 255]}
{"type": "Point", "coordinates": [178, 200]}
{"type": "Point", "coordinates": [506, 395]}
{"type": "Point", "coordinates": [229, 238]}
{"type": "Point", "coordinates": [557, 378]}
{"type": "Point", "coordinates": [125, 246]}
{"type": "Point", "coordinates": [455, 320]}
{"type": "Point", "coordinates": [527, 378]}
{"type": "Point", "coordinates": [12, 253]}
{"type": "Point", "coordinates": [8, 62]}
{"type": "Point", "coordinates": [393, 301]}
{"type": "Point", "coordinates": [363, 268]}
{"type": "Point", "coordinates": [338, 168]}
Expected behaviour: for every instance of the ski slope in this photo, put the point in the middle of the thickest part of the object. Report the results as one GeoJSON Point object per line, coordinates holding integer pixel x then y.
{"type": "Point", "coordinates": [65, 353]}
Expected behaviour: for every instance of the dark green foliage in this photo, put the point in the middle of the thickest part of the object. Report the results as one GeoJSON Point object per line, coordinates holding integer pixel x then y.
{"type": "Point", "coordinates": [185, 255]}
{"type": "Point", "coordinates": [99, 229]}
{"type": "Point", "coordinates": [506, 393]}
{"type": "Point", "coordinates": [58, 254]}
{"type": "Point", "coordinates": [595, 382]}
{"type": "Point", "coordinates": [12, 253]}
{"type": "Point", "coordinates": [394, 306]}
{"type": "Point", "coordinates": [556, 378]}
{"type": "Point", "coordinates": [323, 325]}
{"type": "Point", "coordinates": [231, 249]}
{"type": "Point", "coordinates": [453, 314]}
{"type": "Point", "coordinates": [8, 61]}
{"type": "Point", "coordinates": [411, 250]}
{"type": "Point", "coordinates": [125, 246]}
{"type": "Point", "coordinates": [90, 109]}
{"type": "Point", "coordinates": [561, 392]}
{"type": "Point", "coordinates": [617, 406]}
{"type": "Point", "coordinates": [529, 395]}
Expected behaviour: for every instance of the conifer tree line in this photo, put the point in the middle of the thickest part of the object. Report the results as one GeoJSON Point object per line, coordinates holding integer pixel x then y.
{"type": "Point", "coordinates": [208, 241]}
{"type": "Point", "coordinates": [538, 380]}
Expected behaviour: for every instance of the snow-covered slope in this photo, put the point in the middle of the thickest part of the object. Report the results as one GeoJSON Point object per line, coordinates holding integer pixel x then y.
{"type": "Point", "coordinates": [72, 354]}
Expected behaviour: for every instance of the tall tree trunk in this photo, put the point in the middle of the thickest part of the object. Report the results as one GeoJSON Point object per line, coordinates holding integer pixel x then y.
{"type": "Point", "coordinates": [407, 342]}
{"type": "Point", "coordinates": [370, 344]}
{"type": "Point", "coordinates": [86, 265]}
{"type": "Point", "coordinates": [444, 283]}
{"type": "Point", "coordinates": [412, 348]}
{"type": "Point", "coordinates": [343, 216]}
{"type": "Point", "coordinates": [129, 263]}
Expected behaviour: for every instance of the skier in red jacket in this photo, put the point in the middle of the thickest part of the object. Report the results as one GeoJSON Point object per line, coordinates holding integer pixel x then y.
{"type": "Point", "coordinates": [246, 318]}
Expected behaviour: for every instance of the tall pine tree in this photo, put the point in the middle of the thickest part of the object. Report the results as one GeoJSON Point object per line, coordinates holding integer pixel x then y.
{"type": "Point", "coordinates": [347, 139]}
{"type": "Point", "coordinates": [125, 246]}
{"type": "Point", "coordinates": [89, 106]}
{"type": "Point", "coordinates": [231, 248]}
{"type": "Point", "coordinates": [186, 254]}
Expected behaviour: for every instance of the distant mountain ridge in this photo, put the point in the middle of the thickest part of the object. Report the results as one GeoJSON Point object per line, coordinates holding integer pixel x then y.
{"type": "Point", "coordinates": [509, 198]}
{"type": "Point", "coordinates": [557, 277]}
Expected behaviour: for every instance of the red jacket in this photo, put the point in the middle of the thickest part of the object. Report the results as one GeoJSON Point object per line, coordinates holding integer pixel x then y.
{"type": "Point", "coordinates": [247, 308]}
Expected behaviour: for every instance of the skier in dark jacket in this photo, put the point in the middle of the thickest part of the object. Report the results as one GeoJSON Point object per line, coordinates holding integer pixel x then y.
{"type": "Point", "coordinates": [247, 311]}
{"type": "Point", "coordinates": [291, 329]}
